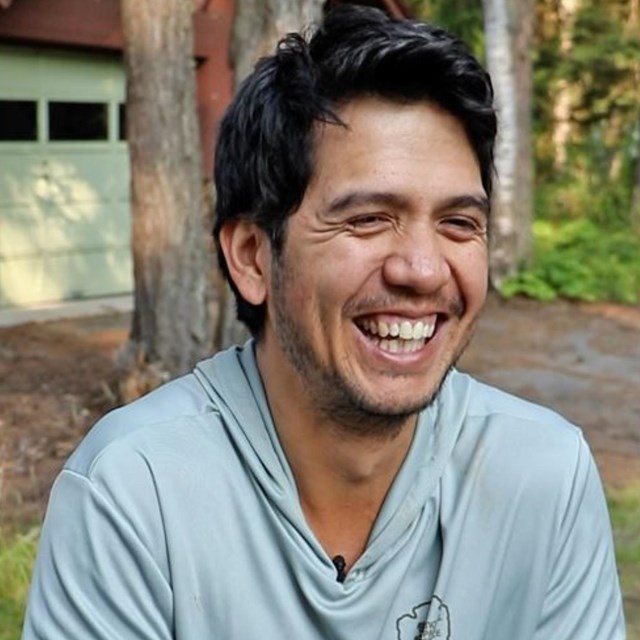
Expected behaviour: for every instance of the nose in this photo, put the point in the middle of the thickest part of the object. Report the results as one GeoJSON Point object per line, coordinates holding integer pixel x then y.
{"type": "Point", "coordinates": [417, 262]}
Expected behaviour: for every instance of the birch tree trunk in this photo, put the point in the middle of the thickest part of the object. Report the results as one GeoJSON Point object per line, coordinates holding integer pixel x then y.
{"type": "Point", "coordinates": [634, 213]}
{"type": "Point", "coordinates": [508, 36]}
{"type": "Point", "coordinates": [171, 329]}
{"type": "Point", "coordinates": [258, 25]}
{"type": "Point", "coordinates": [565, 93]}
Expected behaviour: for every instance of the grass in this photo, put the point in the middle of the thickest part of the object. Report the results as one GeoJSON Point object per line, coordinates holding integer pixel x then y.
{"type": "Point", "coordinates": [17, 552]}
{"type": "Point", "coordinates": [624, 507]}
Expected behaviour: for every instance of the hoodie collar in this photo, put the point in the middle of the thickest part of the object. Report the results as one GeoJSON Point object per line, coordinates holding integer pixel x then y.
{"type": "Point", "coordinates": [232, 380]}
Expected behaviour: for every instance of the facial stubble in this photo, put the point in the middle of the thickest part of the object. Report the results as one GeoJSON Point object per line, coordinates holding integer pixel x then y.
{"type": "Point", "coordinates": [334, 397]}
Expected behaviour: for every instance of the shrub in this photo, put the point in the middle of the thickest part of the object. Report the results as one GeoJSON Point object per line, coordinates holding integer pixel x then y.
{"type": "Point", "coordinates": [580, 260]}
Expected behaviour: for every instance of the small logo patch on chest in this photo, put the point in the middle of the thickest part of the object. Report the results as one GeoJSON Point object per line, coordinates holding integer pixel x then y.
{"type": "Point", "coordinates": [427, 621]}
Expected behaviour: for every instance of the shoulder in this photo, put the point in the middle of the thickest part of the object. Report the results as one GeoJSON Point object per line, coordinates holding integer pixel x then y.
{"type": "Point", "coordinates": [178, 415]}
{"type": "Point", "coordinates": [488, 402]}
{"type": "Point", "coordinates": [516, 443]}
{"type": "Point", "coordinates": [494, 409]}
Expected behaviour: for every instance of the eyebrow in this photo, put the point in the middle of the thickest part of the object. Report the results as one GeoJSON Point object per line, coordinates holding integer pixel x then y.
{"type": "Point", "coordinates": [359, 198]}
{"type": "Point", "coordinates": [479, 202]}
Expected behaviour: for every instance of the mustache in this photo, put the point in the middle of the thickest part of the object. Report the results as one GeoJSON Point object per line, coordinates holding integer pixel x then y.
{"type": "Point", "coordinates": [450, 305]}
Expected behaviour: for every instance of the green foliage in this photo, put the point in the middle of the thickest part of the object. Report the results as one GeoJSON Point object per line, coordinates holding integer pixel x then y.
{"type": "Point", "coordinates": [624, 508]}
{"type": "Point", "coordinates": [594, 55]}
{"type": "Point", "coordinates": [464, 18]}
{"type": "Point", "coordinates": [587, 192]}
{"type": "Point", "coordinates": [582, 261]}
{"type": "Point", "coordinates": [17, 553]}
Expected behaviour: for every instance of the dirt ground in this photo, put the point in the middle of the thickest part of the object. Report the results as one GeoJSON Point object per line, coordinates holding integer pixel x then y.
{"type": "Point", "coordinates": [57, 378]}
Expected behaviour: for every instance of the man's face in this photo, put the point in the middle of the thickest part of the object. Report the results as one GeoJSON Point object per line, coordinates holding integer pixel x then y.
{"type": "Point", "coordinates": [384, 266]}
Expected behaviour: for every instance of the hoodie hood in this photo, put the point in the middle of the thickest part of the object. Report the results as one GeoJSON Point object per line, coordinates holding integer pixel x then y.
{"type": "Point", "coordinates": [232, 381]}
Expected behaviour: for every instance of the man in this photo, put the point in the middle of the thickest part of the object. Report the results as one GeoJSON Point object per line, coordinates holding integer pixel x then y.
{"type": "Point", "coordinates": [336, 477]}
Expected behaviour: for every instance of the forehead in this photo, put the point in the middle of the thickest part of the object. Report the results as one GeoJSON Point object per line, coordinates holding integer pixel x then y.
{"type": "Point", "coordinates": [368, 118]}
{"type": "Point", "coordinates": [411, 147]}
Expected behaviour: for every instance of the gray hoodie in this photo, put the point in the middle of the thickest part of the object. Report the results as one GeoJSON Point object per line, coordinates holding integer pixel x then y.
{"type": "Point", "coordinates": [178, 517]}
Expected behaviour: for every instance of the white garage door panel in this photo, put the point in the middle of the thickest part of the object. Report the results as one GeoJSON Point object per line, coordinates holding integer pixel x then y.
{"type": "Point", "coordinates": [18, 176]}
{"type": "Point", "coordinates": [48, 229]}
{"type": "Point", "coordinates": [104, 73]}
{"type": "Point", "coordinates": [59, 74]}
{"type": "Point", "coordinates": [64, 192]}
{"type": "Point", "coordinates": [81, 175]}
{"type": "Point", "coordinates": [64, 277]}
{"type": "Point", "coordinates": [19, 74]}
{"type": "Point", "coordinates": [71, 176]}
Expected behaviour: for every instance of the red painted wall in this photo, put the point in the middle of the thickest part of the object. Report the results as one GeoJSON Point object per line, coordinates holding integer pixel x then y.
{"type": "Point", "coordinates": [96, 25]}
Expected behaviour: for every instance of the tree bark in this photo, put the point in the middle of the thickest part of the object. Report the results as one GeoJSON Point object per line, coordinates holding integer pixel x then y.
{"type": "Point", "coordinates": [634, 213]}
{"type": "Point", "coordinates": [171, 328]}
{"type": "Point", "coordinates": [565, 92]}
{"type": "Point", "coordinates": [258, 25]}
{"type": "Point", "coordinates": [508, 36]}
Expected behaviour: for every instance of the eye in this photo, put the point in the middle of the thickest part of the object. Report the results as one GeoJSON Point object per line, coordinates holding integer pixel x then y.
{"type": "Point", "coordinates": [463, 226]}
{"type": "Point", "coordinates": [368, 222]}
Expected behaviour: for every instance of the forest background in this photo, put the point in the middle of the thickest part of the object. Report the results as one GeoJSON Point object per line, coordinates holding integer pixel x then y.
{"type": "Point", "coordinates": [584, 239]}
{"type": "Point", "coordinates": [586, 143]}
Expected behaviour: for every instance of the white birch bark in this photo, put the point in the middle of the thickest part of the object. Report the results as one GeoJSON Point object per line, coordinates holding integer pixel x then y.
{"type": "Point", "coordinates": [634, 214]}
{"type": "Point", "coordinates": [565, 92]}
{"type": "Point", "coordinates": [508, 33]}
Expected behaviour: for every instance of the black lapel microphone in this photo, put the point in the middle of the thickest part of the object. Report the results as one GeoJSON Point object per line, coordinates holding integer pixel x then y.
{"type": "Point", "coordinates": [340, 564]}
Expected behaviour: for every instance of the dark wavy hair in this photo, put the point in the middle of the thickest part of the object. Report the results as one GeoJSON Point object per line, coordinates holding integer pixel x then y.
{"type": "Point", "coordinates": [264, 152]}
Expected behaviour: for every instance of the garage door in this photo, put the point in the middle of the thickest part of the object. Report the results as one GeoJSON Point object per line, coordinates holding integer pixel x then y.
{"type": "Point", "coordinates": [64, 177]}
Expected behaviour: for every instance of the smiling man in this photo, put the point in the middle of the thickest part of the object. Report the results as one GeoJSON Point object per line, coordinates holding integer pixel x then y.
{"type": "Point", "coordinates": [336, 477]}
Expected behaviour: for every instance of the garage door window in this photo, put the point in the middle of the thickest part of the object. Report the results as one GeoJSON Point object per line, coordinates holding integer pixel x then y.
{"type": "Point", "coordinates": [78, 121]}
{"type": "Point", "coordinates": [122, 121]}
{"type": "Point", "coordinates": [18, 120]}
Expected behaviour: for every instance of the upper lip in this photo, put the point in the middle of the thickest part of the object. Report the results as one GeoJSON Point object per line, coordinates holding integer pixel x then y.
{"type": "Point", "coordinates": [400, 314]}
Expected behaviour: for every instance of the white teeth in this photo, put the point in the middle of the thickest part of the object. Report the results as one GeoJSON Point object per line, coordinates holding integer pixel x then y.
{"type": "Point", "coordinates": [406, 330]}
{"type": "Point", "coordinates": [402, 337]}
{"type": "Point", "coordinates": [397, 345]}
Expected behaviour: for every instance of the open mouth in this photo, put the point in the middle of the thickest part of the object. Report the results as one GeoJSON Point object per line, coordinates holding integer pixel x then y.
{"type": "Point", "coordinates": [398, 336]}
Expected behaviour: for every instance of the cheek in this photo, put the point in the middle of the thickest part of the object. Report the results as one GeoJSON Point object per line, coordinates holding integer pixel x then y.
{"type": "Point", "coordinates": [356, 277]}
{"type": "Point", "coordinates": [472, 273]}
{"type": "Point", "coordinates": [326, 276]}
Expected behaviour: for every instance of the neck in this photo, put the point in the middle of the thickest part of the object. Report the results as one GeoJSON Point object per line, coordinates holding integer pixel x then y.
{"type": "Point", "coordinates": [342, 479]}
{"type": "Point", "coordinates": [342, 474]}
{"type": "Point", "coordinates": [351, 456]}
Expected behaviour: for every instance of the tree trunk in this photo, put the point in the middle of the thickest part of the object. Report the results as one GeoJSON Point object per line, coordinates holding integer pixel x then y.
{"type": "Point", "coordinates": [258, 25]}
{"type": "Point", "coordinates": [171, 328]}
{"type": "Point", "coordinates": [634, 214]}
{"type": "Point", "coordinates": [565, 92]}
{"type": "Point", "coordinates": [508, 35]}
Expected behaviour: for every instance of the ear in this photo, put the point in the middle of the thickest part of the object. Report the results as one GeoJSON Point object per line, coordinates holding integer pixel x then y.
{"type": "Point", "coordinates": [247, 251]}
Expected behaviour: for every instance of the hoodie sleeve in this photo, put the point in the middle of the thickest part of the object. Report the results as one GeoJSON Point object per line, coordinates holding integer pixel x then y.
{"type": "Point", "coordinates": [94, 577]}
{"type": "Point", "coordinates": [583, 600]}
